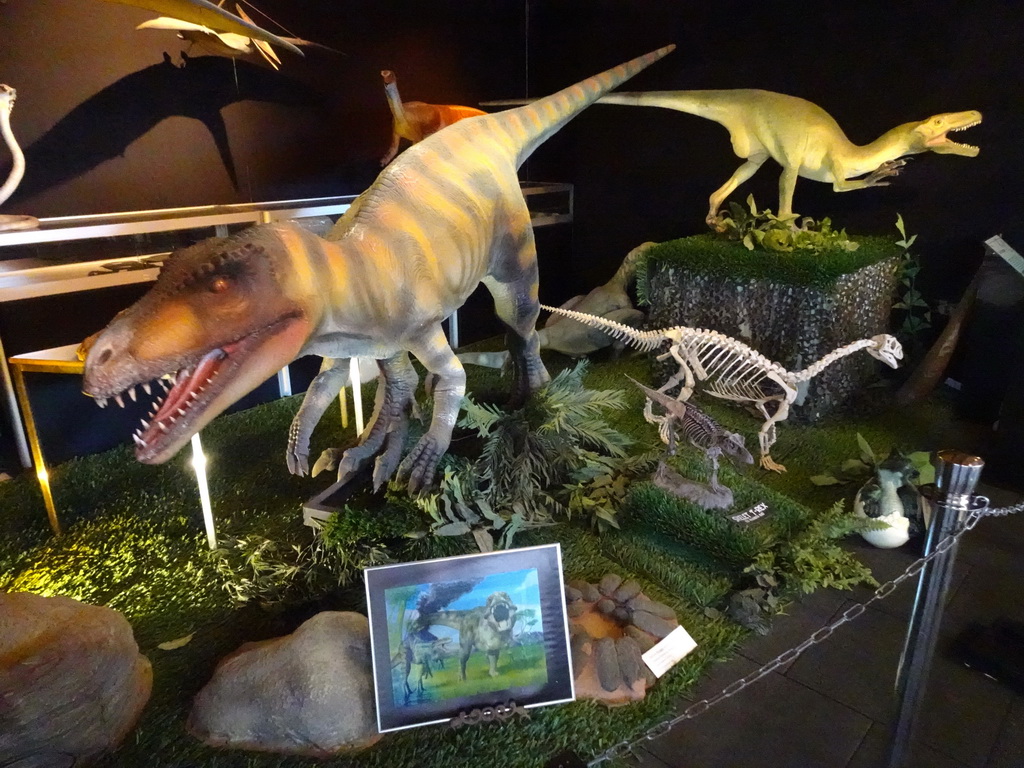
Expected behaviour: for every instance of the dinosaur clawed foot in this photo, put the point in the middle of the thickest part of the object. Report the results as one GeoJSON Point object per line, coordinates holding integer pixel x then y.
{"type": "Point", "coordinates": [767, 462]}
{"type": "Point", "coordinates": [715, 222]}
{"type": "Point", "coordinates": [388, 459]}
{"type": "Point", "coordinates": [420, 466]}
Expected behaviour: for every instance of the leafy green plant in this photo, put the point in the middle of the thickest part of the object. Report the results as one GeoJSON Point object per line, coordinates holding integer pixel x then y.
{"type": "Point", "coordinates": [863, 466]}
{"type": "Point", "coordinates": [555, 457]}
{"type": "Point", "coordinates": [917, 315]}
{"type": "Point", "coordinates": [259, 569]}
{"type": "Point", "coordinates": [763, 230]}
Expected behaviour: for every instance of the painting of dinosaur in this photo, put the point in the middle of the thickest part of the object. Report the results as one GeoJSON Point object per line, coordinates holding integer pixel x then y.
{"type": "Point", "coordinates": [415, 120]}
{"type": "Point", "coordinates": [226, 314]}
{"type": "Point", "coordinates": [487, 629]}
{"type": "Point", "coordinates": [734, 371]}
{"type": "Point", "coordinates": [804, 139]}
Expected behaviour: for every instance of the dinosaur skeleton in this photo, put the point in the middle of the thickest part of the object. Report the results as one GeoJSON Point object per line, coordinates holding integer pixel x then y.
{"type": "Point", "coordinates": [704, 433]}
{"type": "Point", "coordinates": [734, 371]}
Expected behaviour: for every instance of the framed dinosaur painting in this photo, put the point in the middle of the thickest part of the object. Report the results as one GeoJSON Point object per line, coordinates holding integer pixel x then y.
{"type": "Point", "coordinates": [472, 633]}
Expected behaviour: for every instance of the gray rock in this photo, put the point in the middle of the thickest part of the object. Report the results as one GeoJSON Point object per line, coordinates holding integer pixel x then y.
{"type": "Point", "coordinates": [630, 664]}
{"type": "Point", "coordinates": [627, 591]}
{"type": "Point", "coordinates": [575, 610]}
{"type": "Point", "coordinates": [579, 584]}
{"type": "Point", "coordinates": [72, 680]}
{"type": "Point", "coordinates": [572, 594]}
{"type": "Point", "coordinates": [591, 593]}
{"type": "Point", "coordinates": [308, 693]}
{"type": "Point", "coordinates": [605, 605]}
{"type": "Point", "coordinates": [609, 583]}
{"type": "Point", "coordinates": [658, 609]}
{"type": "Point", "coordinates": [577, 648]}
{"type": "Point", "coordinates": [652, 624]}
{"type": "Point", "coordinates": [622, 614]}
{"type": "Point", "coordinates": [644, 640]}
{"type": "Point", "coordinates": [607, 662]}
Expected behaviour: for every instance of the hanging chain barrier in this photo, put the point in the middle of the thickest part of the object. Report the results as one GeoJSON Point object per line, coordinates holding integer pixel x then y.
{"type": "Point", "coordinates": [978, 508]}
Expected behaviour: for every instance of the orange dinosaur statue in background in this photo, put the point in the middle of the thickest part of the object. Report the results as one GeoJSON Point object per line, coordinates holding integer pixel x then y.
{"type": "Point", "coordinates": [414, 120]}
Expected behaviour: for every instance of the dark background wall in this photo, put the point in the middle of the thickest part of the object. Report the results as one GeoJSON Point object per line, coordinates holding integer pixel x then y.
{"type": "Point", "coordinates": [110, 122]}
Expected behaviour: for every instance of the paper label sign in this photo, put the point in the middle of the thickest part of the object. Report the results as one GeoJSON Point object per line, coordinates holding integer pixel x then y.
{"type": "Point", "coordinates": [753, 514]}
{"type": "Point", "coordinates": [666, 654]}
{"type": "Point", "coordinates": [1001, 248]}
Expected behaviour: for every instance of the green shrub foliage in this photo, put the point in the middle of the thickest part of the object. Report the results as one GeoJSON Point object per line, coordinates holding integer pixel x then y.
{"type": "Point", "coordinates": [555, 458]}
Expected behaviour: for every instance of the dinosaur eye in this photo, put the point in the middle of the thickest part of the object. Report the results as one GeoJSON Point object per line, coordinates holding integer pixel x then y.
{"type": "Point", "coordinates": [219, 284]}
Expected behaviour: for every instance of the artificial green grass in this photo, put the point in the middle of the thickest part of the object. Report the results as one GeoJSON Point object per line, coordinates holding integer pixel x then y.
{"type": "Point", "coordinates": [133, 540]}
{"type": "Point", "coordinates": [711, 255]}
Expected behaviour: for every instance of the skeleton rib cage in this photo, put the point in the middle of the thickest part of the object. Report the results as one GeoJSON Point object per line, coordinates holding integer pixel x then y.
{"type": "Point", "coordinates": [731, 369]}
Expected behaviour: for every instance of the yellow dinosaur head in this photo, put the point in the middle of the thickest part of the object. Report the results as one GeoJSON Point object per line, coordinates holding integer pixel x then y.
{"type": "Point", "coordinates": [931, 135]}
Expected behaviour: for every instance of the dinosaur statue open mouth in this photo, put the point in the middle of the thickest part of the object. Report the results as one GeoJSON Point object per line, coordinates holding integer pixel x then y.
{"type": "Point", "coordinates": [205, 386]}
{"type": "Point", "coordinates": [945, 145]}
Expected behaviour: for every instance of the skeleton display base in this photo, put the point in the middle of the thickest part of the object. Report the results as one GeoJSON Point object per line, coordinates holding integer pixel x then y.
{"type": "Point", "coordinates": [790, 324]}
{"type": "Point", "coordinates": [701, 494]}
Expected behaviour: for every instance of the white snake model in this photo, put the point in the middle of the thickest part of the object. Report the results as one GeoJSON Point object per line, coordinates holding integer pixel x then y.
{"type": "Point", "coordinates": [7, 97]}
{"type": "Point", "coordinates": [733, 370]}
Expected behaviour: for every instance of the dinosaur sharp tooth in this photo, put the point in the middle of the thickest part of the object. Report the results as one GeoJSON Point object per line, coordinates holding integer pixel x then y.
{"type": "Point", "coordinates": [163, 427]}
{"type": "Point", "coordinates": [181, 411]}
{"type": "Point", "coordinates": [183, 374]}
{"type": "Point", "coordinates": [131, 393]}
{"type": "Point", "coordinates": [118, 400]}
{"type": "Point", "coordinates": [101, 402]}
{"type": "Point", "coordinates": [145, 424]}
{"type": "Point", "coordinates": [172, 418]}
{"type": "Point", "coordinates": [139, 441]}
{"type": "Point", "coordinates": [147, 389]}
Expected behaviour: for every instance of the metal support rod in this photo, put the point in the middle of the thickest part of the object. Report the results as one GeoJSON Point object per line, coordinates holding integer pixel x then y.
{"type": "Point", "coordinates": [17, 426]}
{"type": "Point", "coordinates": [956, 476]}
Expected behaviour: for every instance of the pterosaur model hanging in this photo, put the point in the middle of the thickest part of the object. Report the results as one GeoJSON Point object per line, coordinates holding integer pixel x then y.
{"type": "Point", "coordinates": [205, 14]}
{"type": "Point", "coordinates": [225, 43]}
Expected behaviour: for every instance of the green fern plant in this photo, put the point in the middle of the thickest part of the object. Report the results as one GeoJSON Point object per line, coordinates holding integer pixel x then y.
{"type": "Point", "coordinates": [555, 458]}
{"type": "Point", "coordinates": [917, 314]}
{"type": "Point", "coordinates": [763, 230]}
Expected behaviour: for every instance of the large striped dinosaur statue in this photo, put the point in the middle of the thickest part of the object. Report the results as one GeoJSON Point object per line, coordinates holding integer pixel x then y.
{"type": "Point", "coordinates": [415, 120]}
{"type": "Point", "coordinates": [448, 214]}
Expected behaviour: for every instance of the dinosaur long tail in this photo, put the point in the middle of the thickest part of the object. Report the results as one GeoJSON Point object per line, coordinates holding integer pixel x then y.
{"type": "Point", "coordinates": [645, 341]}
{"type": "Point", "coordinates": [531, 125]}
{"type": "Point", "coordinates": [627, 270]}
{"type": "Point", "coordinates": [706, 104]}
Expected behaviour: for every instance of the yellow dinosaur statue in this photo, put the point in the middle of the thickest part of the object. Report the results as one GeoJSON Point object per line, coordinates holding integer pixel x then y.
{"type": "Point", "coordinates": [804, 139]}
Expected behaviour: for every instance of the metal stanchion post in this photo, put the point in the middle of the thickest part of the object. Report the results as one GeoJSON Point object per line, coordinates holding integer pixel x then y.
{"type": "Point", "coordinates": [956, 476]}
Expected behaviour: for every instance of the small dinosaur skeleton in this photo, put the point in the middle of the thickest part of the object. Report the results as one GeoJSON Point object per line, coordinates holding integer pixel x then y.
{"type": "Point", "coordinates": [804, 139]}
{"type": "Point", "coordinates": [415, 120]}
{"type": "Point", "coordinates": [703, 432]}
{"type": "Point", "coordinates": [734, 371]}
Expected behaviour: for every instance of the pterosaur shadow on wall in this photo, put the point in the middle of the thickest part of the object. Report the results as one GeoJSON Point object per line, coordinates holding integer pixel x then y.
{"type": "Point", "coordinates": [104, 125]}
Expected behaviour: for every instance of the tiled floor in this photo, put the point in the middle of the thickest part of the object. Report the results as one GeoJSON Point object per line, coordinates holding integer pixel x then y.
{"type": "Point", "coordinates": [832, 707]}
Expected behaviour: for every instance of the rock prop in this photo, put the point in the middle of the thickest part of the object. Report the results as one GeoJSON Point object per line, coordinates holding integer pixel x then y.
{"type": "Point", "coordinates": [72, 681]}
{"type": "Point", "coordinates": [308, 693]}
{"type": "Point", "coordinates": [610, 625]}
{"type": "Point", "coordinates": [792, 325]}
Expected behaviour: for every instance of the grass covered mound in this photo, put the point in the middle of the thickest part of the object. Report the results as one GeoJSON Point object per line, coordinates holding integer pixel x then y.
{"type": "Point", "coordinates": [134, 541]}
{"type": "Point", "coordinates": [711, 255]}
